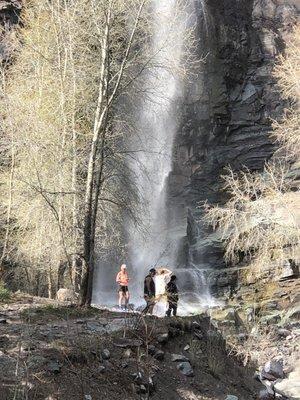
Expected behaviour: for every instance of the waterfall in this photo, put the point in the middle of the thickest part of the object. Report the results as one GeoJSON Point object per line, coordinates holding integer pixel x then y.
{"type": "Point", "coordinates": [151, 245]}
{"type": "Point", "coordinates": [155, 242]}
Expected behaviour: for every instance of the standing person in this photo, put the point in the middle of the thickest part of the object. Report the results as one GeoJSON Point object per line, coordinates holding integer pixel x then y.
{"type": "Point", "coordinates": [172, 296]}
{"type": "Point", "coordinates": [162, 277]}
{"type": "Point", "coordinates": [122, 279]}
{"type": "Point", "coordinates": [149, 291]}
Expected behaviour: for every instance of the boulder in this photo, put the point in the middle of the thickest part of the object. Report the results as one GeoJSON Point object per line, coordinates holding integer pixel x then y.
{"type": "Point", "coordinates": [265, 395]}
{"type": "Point", "coordinates": [283, 333]}
{"type": "Point", "coordinates": [185, 368]}
{"type": "Point", "coordinates": [287, 272]}
{"type": "Point", "coordinates": [273, 369]}
{"type": "Point", "coordinates": [231, 397]}
{"type": "Point", "coordinates": [66, 295]}
{"type": "Point", "coordinates": [290, 387]}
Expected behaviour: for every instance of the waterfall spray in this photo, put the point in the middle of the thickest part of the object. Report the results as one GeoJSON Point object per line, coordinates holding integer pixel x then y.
{"type": "Point", "coordinates": [156, 242]}
{"type": "Point", "coordinates": [158, 125]}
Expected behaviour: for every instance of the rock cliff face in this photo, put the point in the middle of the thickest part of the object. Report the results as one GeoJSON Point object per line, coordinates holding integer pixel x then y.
{"type": "Point", "coordinates": [228, 113]}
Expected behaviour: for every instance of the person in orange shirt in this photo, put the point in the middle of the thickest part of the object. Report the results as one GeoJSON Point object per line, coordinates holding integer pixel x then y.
{"type": "Point", "coordinates": [122, 279]}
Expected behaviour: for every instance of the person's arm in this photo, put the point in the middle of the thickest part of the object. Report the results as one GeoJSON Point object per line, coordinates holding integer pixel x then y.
{"type": "Point", "coordinates": [118, 277]}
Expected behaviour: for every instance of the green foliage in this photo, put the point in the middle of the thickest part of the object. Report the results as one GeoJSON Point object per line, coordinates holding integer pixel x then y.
{"type": "Point", "coordinates": [5, 294]}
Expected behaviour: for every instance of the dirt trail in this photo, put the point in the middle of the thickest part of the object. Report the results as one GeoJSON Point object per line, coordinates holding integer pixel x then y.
{"type": "Point", "coordinates": [60, 353]}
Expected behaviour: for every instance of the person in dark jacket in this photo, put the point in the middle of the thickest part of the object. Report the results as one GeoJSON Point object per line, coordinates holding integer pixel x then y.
{"type": "Point", "coordinates": [149, 291]}
{"type": "Point", "coordinates": [172, 296]}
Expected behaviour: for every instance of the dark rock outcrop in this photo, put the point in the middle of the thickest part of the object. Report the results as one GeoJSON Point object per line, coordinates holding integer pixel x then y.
{"type": "Point", "coordinates": [227, 113]}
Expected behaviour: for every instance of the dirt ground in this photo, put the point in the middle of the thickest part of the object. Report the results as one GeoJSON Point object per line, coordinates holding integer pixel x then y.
{"type": "Point", "coordinates": [51, 352]}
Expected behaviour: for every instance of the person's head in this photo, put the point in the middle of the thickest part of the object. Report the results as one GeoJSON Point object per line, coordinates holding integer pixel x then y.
{"type": "Point", "coordinates": [123, 268]}
{"type": "Point", "coordinates": [152, 271]}
{"type": "Point", "coordinates": [173, 278]}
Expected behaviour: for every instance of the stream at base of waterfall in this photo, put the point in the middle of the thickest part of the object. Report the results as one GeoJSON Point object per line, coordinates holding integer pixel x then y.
{"type": "Point", "coordinates": [192, 298]}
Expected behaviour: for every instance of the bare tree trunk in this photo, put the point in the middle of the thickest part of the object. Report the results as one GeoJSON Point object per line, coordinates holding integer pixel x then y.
{"type": "Point", "coordinates": [50, 283]}
{"type": "Point", "coordinates": [10, 190]}
{"type": "Point", "coordinates": [100, 117]}
{"type": "Point", "coordinates": [61, 274]}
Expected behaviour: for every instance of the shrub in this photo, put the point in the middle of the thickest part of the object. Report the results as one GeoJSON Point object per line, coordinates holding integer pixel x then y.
{"type": "Point", "coordinates": [5, 294]}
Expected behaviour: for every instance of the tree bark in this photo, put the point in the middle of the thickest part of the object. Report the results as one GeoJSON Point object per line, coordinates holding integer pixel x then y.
{"type": "Point", "coordinates": [100, 116]}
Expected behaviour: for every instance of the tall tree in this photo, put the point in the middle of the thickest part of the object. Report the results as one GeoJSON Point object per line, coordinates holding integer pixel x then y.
{"type": "Point", "coordinates": [72, 93]}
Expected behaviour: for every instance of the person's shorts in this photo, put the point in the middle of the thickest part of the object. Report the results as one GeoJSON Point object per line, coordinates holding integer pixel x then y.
{"type": "Point", "coordinates": [123, 289]}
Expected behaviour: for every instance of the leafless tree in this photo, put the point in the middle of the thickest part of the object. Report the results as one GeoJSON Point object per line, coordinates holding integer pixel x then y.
{"type": "Point", "coordinates": [70, 97]}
